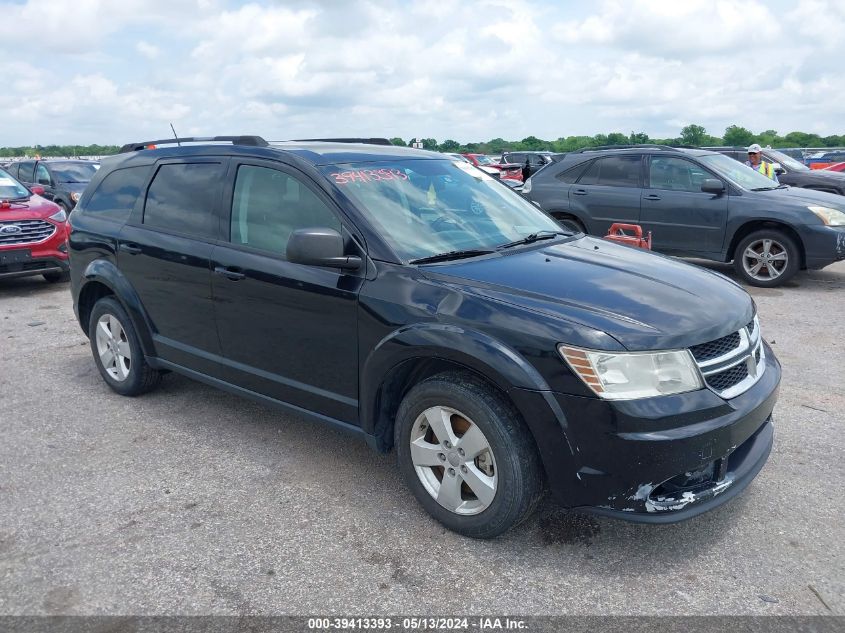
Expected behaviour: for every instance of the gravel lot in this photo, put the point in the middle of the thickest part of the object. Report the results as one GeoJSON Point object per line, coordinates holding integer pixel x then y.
{"type": "Point", "coordinates": [193, 501]}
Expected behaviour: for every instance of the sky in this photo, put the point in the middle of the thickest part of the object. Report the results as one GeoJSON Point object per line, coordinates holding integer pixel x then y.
{"type": "Point", "coordinates": [115, 71]}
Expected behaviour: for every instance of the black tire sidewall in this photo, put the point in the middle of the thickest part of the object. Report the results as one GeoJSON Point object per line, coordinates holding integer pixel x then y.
{"type": "Point", "coordinates": [134, 383]}
{"type": "Point", "coordinates": [512, 454]}
{"type": "Point", "coordinates": [571, 224]}
{"type": "Point", "coordinates": [789, 245]}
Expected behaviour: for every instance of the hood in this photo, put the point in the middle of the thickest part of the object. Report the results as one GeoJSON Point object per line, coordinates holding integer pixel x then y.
{"type": "Point", "coordinates": [643, 300]}
{"type": "Point", "coordinates": [36, 208]}
{"type": "Point", "coordinates": [803, 197]}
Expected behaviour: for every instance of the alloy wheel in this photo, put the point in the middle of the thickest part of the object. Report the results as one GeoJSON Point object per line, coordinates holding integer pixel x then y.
{"type": "Point", "coordinates": [453, 460]}
{"type": "Point", "coordinates": [113, 347]}
{"type": "Point", "coordinates": [765, 259]}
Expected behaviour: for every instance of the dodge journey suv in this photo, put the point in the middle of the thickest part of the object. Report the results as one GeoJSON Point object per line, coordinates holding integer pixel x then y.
{"type": "Point", "coordinates": [411, 299]}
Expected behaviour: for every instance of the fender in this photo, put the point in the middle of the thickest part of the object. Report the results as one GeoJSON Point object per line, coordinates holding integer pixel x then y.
{"type": "Point", "coordinates": [105, 272]}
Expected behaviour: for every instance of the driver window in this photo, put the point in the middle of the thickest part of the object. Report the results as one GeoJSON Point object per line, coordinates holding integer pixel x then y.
{"type": "Point", "coordinates": [268, 205]}
{"type": "Point", "coordinates": [42, 176]}
{"type": "Point", "coordinates": [676, 174]}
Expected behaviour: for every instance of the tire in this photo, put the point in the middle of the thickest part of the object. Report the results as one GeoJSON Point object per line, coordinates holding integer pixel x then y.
{"type": "Point", "coordinates": [772, 272]}
{"type": "Point", "coordinates": [506, 471]}
{"type": "Point", "coordinates": [56, 277]}
{"type": "Point", "coordinates": [571, 223]}
{"type": "Point", "coordinates": [128, 373]}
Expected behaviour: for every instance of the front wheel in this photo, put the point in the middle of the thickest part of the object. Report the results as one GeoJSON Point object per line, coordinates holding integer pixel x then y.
{"type": "Point", "coordinates": [766, 258]}
{"type": "Point", "coordinates": [466, 456]}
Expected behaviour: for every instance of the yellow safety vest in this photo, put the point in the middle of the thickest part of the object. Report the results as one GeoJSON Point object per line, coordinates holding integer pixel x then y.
{"type": "Point", "coordinates": [766, 169]}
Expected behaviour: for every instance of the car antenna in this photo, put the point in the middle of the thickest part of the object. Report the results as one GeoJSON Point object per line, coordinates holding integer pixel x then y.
{"type": "Point", "coordinates": [176, 136]}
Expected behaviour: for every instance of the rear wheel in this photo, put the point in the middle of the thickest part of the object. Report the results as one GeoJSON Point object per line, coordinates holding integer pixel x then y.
{"type": "Point", "coordinates": [570, 223]}
{"type": "Point", "coordinates": [767, 258]}
{"type": "Point", "coordinates": [466, 455]}
{"type": "Point", "coordinates": [117, 351]}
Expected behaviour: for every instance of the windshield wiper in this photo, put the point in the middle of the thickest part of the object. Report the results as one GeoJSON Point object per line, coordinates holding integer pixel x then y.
{"type": "Point", "coordinates": [533, 237]}
{"type": "Point", "coordinates": [764, 188]}
{"type": "Point", "coordinates": [444, 257]}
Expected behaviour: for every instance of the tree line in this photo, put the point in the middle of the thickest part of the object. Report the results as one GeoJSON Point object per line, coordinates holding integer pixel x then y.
{"type": "Point", "coordinates": [691, 134]}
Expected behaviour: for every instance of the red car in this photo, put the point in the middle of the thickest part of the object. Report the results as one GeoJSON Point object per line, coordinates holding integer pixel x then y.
{"type": "Point", "coordinates": [836, 167]}
{"type": "Point", "coordinates": [33, 233]}
{"type": "Point", "coordinates": [506, 171]}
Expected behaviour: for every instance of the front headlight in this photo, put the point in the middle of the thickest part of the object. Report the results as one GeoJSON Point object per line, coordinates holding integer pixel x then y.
{"type": "Point", "coordinates": [60, 216]}
{"type": "Point", "coordinates": [831, 217]}
{"type": "Point", "coordinates": [630, 375]}
{"type": "Point", "coordinates": [74, 196]}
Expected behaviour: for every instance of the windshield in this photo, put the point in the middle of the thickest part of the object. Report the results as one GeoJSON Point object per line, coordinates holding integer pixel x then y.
{"type": "Point", "coordinates": [74, 172]}
{"type": "Point", "coordinates": [428, 207]}
{"type": "Point", "coordinates": [738, 173]}
{"type": "Point", "coordinates": [484, 160]}
{"type": "Point", "coordinates": [787, 161]}
{"type": "Point", "coordinates": [11, 189]}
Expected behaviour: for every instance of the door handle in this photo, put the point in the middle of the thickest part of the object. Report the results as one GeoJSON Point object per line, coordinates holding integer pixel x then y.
{"type": "Point", "coordinates": [652, 197]}
{"type": "Point", "coordinates": [132, 249]}
{"type": "Point", "coordinates": [229, 273]}
{"type": "Point", "coordinates": [580, 192]}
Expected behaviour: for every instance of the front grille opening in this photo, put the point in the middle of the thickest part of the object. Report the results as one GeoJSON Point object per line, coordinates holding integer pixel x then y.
{"type": "Point", "coordinates": [693, 481]}
{"type": "Point", "coordinates": [714, 349]}
{"type": "Point", "coordinates": [728, 378]}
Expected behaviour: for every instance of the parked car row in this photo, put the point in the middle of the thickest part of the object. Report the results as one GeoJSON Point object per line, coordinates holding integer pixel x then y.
{"type": "Point", "coordinates": [698, 203]}
{"type": "Point", "coordinates": [63, 180]}
{"type": "Point", "coordinates": [498, 354]}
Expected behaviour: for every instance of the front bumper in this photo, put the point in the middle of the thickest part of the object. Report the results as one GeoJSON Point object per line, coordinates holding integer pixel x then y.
{"type": "Point", "coordinates": [49, 256]}
{"type": "Point", "coordinates": [657, 460]}
{"type": "Point", "coordinates": [823, 245]}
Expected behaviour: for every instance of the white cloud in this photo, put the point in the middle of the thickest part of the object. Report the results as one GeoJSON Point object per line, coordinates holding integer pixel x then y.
{"type": "Point", "coordinates": [469, 71]}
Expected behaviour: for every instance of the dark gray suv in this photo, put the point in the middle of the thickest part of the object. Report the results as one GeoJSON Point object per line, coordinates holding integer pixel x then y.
{"type": "Point", "coordinates": [696, 203]}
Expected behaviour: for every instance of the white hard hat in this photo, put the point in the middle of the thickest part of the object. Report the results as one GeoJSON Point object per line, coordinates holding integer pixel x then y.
{"type": "Point", "coordinates": [755, 148]}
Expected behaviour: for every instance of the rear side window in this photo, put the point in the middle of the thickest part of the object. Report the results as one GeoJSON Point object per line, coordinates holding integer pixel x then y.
{"type": "Point", "coordinates": [183, 198]}
{"type": "Point", "coordinates": [115, 198]}
{"type": "Point", "coordinates": [573, 173]}
{"type": "Point", "coordinates": [26, 172]}
{"type": "Point", "coordinates": [613, 171]}
{"type": "Point", "coordinates": [12, 170]}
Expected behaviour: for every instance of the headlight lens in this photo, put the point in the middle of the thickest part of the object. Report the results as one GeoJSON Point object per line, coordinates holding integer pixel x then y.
{"type": "Point", "coordinates": [61, 216]}
{"type": "Point", "coordinates": [831, 217]}
{"type": "Point", "coordinates": [74, 196]}
{"type": "Point", "coordinates": [630, 375]}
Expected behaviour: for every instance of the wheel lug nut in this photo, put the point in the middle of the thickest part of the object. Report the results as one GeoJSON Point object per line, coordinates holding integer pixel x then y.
{"type": "Point", "coordinates": [447, 444]}
{"type": "Point", "coordinates": [442, 457]}
{"type": "Point", "coordinates": [461, 452]}
{"type": "Point", "coordinates": [452, 472]}
{"type": "Point", "coordinates": [463, 469]}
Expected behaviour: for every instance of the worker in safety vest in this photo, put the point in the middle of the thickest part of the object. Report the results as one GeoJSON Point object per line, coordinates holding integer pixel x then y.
{"type": "Point", "coordinates": [756, 162]}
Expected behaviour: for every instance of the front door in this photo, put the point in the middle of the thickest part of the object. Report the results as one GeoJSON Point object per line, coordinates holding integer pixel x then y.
{"type": "Point", "coordinates": [288, 331]}
{"type": "Point", "coordinates": [679, 215]}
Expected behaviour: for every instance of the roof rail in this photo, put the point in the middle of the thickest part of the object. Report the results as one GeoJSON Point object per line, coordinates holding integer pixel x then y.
{"type": "Point", "coordinates": [252, 141]}
{"type": "Point", "coordinates": [631, 146]}
{"type": "Point", "coordinates": [365, 141]}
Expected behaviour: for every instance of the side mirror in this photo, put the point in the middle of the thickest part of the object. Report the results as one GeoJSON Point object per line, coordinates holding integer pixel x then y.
{"type": "Point", "coordinates": [320, 246]}
{"type": "Point", "coordinates": [713, 185]}
{"type": "Point", "coordinates": [37, 190]}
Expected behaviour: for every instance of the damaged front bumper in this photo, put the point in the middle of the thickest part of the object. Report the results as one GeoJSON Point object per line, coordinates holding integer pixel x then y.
{"type": "Point", "coordinates": [666, 459]}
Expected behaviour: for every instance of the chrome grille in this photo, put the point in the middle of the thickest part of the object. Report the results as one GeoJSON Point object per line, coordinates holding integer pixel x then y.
{"type": "Point", "coordinates": [731, 364]}
{"type": "Point", "coordinates": [29, 232]}
{"type": "Point", "coordinates": [714, 349]}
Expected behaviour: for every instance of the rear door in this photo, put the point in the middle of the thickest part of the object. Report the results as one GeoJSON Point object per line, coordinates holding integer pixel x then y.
{"type": "Point", "coordinates": [164, 251]}
{"type": "Point", "coordinates": [608, 192]}
{"type": "Point", "coordinates": [288, 331]}
{"type": "Point", "coordinates": [679, 215]}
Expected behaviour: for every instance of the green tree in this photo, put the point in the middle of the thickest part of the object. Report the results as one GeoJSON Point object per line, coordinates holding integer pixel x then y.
{"type": "Point", "coordinates": [693, 134]}
{"type": "Point", "coordinates": [398, 141]}
{"type": "Point", "coordinates": [617, 138]}
{"type": "Point", "coordinates": [736, 135]}
{"type": "Point", "coordinates": [532, 143]}
{"type": "Point", "coordinates": [429, 144]}
{"type": "Point", "coordinates": [449, 146]}
{"type": "Point", "coordinates": [638, 138]}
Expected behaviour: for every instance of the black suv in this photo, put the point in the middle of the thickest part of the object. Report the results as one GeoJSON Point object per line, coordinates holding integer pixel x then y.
{"type": "Point", "coordinates": [536, 160]}
{"type": "Point", "coordinates": [410, 299]}
{"type": "Point", "coordinates": [63, 180]}
{"type": "Point", "coordinates": [696, 203]}
{"type": "Point", "coordinates": [790, 171]}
